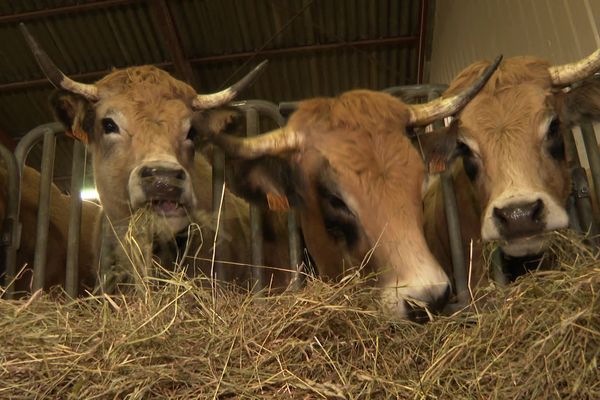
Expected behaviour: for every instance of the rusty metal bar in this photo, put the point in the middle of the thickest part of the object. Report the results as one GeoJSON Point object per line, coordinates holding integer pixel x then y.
{"type": "Point", "coordinates": [77, 169]}
{"type": "Point", "coordinates": [11, 230]}
{"type": "Point", "coordinates": [593, 155]}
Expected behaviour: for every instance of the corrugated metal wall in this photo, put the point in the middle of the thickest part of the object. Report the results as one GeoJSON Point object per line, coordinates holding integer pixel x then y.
{"type": "Point", "coordinates": [469, 30]}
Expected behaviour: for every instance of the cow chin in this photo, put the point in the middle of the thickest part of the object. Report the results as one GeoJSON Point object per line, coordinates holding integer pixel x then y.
{"type": "Point", "coordinates": [523, 247]}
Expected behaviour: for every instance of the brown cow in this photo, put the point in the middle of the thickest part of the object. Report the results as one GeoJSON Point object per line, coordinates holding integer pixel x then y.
{"type": "Point", "coordinates": [513, 181]}
{"type": "Point", "coordinates": [57, 234]}
{"type": "Point", "coordinates": [357, 180]}
{"type": "Point", "coordinates": [138, 122]}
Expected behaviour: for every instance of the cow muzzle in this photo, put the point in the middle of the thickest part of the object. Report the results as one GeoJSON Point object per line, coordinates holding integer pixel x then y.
{"type": "Point", "coordinates": [164, 187]}
{"type": "Point", "coordinates": [520, 222]}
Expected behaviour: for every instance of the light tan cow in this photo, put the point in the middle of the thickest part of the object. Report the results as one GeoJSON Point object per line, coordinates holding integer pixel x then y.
{"type": "Point", "coordinates": [348, 166]}
{"type": "Point", "coordinates": [512, 182]}
{"type": "Point", "coordinates": [57, 234]}
{"type": "Point", "coordinates": [138, 122]}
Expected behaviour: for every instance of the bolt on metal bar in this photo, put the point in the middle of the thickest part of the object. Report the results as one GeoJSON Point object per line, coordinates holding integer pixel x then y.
{"type": "Point", "coordinates": [77, 169]}
{"type": "Point", "coordinates": [11, 230]}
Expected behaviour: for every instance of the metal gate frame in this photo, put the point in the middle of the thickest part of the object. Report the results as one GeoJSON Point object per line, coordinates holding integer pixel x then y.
{"type": "Point", "coordinates": [579, 205]}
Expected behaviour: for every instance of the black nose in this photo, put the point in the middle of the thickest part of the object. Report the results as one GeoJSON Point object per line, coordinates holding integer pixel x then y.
{"type": "Point", "coordinates": [520, 219]}
{"type": "Point", "coordinates": [160, 183]}
{"type": "Point", "coordinates": [419, 313]}
{"type": "Point", "coordinates": [162, 172]}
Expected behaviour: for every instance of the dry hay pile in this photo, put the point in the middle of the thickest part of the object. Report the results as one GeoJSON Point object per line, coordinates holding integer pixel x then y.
{"type": "Point", "coordinates": [537, 339]}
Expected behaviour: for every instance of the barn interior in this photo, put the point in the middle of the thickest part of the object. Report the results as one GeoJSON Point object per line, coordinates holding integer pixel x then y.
{"type": "Point", "coordinates": [314, 48]}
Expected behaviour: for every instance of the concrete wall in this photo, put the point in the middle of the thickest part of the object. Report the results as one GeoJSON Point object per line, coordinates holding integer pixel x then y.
{"type": "Point", "coordinates": [469, 30]}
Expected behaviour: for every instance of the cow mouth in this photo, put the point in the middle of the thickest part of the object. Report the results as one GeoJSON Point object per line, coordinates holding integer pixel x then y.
{"type": "Point", "coordinates": [526, 245]}
{"type": "Point", "coordinates": [168, 208]}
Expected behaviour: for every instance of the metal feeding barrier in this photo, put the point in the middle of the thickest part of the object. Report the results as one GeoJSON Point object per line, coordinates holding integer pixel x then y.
{"type": "Point", "coordinates": [579, 205]}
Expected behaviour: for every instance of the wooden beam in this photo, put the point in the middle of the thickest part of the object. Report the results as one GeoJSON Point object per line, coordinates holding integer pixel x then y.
{"type": "Point", "coordinates": [164, 21]}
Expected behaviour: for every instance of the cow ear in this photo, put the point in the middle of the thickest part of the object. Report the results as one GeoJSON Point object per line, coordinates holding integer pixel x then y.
{"type": "Point", "coordinates": [267, 181]}
{"type": "Point", "coordinates": [438, 148]}
{"type": "Point", "coordinates": [581, 102]}
{"type": "Point", "coordinates": [76, 114]}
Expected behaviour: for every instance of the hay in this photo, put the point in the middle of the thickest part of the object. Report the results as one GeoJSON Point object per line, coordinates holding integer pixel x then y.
{"type": "Point", "coordinates": [538, 338]}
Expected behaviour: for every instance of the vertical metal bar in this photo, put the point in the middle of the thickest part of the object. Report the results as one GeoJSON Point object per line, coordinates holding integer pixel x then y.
{"type": "Point", "coordinates": [581, 195]}
{"type": "Point", "coordinates": [11, 230]}
{"type": "Point", "coordinates": [77, 169]}
{"type": "Point", "coordinates": [259, 274]}
{"type": "Point", "coordinates": [498, 269]}
{"type": "Point", "coordinates": [218, 181]}
{"type": "Point", "coordinates": [297, 280]}
{"type": "Point", "coordinates": [106, 256]}
{"type": "Point", "coordinates": [43, 217]}
{"type": "Point", "coordinates": [593, 154]}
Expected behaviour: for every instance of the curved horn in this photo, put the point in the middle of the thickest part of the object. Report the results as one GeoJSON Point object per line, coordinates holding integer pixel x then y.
{"type": "Point", "coordinates": [54, 74]}
{"type": "Point", "coordinates": [569, 73]}
{"type": "Point", "coordinates": [272, 143]}
{"type": "Point", "coordinates": [204, 101]}
{"type": "Point", "coordinates": [423, 114]}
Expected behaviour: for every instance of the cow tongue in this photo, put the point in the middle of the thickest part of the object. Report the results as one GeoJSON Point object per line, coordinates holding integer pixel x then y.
{"type": "Point", "coordinates": [165, 206]}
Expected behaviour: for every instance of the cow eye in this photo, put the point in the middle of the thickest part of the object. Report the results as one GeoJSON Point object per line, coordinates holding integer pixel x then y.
{"type": "Point", "coordinates": [109, 126]}
{"type": "Point", "coordinates": [554, 128]}
{"type": "Point", "coordinates": [192, 133]}
{"type": "Point", "coordinates": [470, 163]}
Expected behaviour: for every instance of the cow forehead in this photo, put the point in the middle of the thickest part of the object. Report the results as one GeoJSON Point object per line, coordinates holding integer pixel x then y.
{"type": "Point", "coordinates": [515, 112]}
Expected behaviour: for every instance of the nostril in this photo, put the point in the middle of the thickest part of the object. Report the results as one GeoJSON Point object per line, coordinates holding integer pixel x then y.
{"type": "Point", "coordinates": [500, 215]}
{"type": "Point", "coordinates": [537, 210]}
{"type": "Point", "coordinates": [147, 172]}
{"type": "Point", "coordinates": [180, 175]}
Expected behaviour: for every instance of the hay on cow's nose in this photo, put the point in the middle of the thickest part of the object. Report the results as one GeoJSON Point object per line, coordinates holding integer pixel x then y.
{"type": "Point", "coordinates": [539, 338]}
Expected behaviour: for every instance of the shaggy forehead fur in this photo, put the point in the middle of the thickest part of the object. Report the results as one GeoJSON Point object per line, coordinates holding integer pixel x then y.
{"type": "Point", "coordinates": [145, 84]}
{"type": "Point", "coordinates": [360, 132]}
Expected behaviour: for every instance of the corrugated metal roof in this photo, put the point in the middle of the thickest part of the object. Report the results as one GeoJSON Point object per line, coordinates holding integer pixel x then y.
{"type": "Point", "coordinates": [314, 46]}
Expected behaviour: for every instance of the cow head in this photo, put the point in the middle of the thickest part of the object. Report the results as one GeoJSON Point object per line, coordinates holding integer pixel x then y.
{"type": "Point", "coordinates": [357, 181]}
{"type": "Point", "coordinates": [511, 141]}
{"type": "Point", "coordinates": [138, 122]}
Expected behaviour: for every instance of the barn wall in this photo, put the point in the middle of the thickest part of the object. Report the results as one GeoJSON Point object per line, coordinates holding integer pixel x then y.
{"type": "Point", "coordinates": [470, 30]}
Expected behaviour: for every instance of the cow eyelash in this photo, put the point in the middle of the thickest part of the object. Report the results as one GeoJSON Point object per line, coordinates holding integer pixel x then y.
{"type": "Point", "coordinates": [109, 126]}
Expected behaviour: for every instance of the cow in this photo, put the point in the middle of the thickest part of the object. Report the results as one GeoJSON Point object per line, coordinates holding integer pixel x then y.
{"type": "Point", "coordinates": [138, 122]}
{"type": "Point", "coordinates": [348, 166]}
{"type": "Point", "coordinates": [58, 228]}
{"type": "Point", "coordinates": [510, 169]}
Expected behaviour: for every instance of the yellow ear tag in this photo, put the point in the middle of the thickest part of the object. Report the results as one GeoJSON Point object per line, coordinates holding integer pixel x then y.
{"type": "Point", "coordinates": [277, 202]}
{"type": "Point", "coordinates": [78, 135]}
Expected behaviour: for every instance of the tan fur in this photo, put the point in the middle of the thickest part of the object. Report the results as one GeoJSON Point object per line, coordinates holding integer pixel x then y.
{"type": "Point", "coordinates": [152, 110]}
{"type": "Point", "coordinates": [57, 234]}
{"type": "Point", "coordinates": [359, 139]}
{"type": "Point", "coordinates": [503, 120]}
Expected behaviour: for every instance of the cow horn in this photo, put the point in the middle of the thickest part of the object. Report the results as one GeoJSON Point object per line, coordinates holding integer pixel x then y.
{"type": "Point", "coordinates": [569, 73]}
{"type": "Point", "coordinates": [54, 74]}
{"type": "Point", "coordinates": [423, 114]}
{"type": "Point", "coordinates": [205, 101]}
{"type": "Point", "coordinates": [275, 142]}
